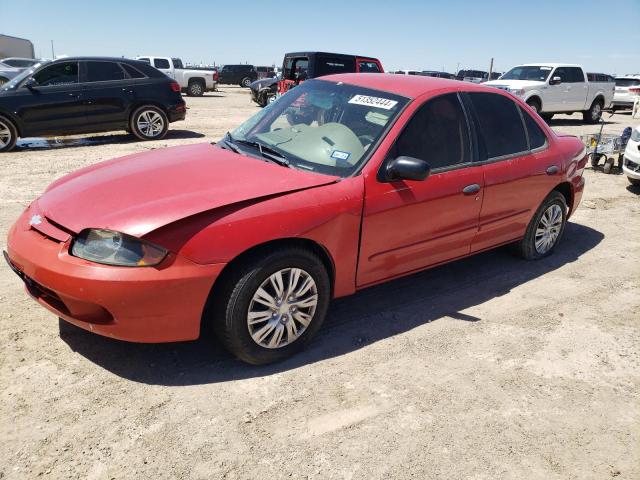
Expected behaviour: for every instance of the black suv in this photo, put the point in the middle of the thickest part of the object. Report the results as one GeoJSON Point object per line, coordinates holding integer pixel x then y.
{"type": "Point", "coordinates": [241, 75]}
{"type": "Point", "coordinates": [89, 94]}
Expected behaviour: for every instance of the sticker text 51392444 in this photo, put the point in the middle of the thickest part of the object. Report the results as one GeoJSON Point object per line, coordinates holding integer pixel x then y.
{"type": "Point", "coordinates": [377, 102]}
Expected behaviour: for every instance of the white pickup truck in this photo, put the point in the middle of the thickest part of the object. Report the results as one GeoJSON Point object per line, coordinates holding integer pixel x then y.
{"type": "Point", "coordinates": [551, 88]}
{"type": "Point", "coordinates": [193, 82]}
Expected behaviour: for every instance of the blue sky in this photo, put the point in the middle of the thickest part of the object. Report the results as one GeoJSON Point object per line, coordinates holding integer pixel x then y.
{"type": "Point", "coordinates": [402, 33]}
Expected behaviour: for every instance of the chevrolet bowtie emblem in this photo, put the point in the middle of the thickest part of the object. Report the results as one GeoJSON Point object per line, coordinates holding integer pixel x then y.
{"type": "Point", "coordinates": [35, 220]}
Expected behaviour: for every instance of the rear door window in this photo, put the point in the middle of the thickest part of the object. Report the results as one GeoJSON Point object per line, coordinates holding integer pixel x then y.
{"type": "Point", "coordinates": [161, 63]}
{"type": "Point", "coordinates": [59, 74]}
{"type": "Point", "coordinates": [537, 138]}
{"type": "Point", "coordinates": [575, 75]}
{"type": "Point", "coordinates": [104, 72]}
{"type": "Point", "coordinates": [437, 133]}
{"type": "Point", "coordinates": [499, 124]}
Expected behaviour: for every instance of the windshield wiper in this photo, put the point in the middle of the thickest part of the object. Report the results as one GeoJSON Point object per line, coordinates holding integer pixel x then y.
{"type": "Point", "coordinates": [267, 152]}
{"type": "Point", "coordinates": [228, 141]}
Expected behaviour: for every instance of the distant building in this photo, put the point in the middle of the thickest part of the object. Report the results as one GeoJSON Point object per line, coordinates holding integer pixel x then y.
{"type": "Point", "coordinates": [15, 47]}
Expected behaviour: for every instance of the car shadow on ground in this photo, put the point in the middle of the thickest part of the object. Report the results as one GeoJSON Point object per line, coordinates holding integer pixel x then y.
{"type": "Point", "coordinates": [635, 189]}
{"type": "Point", "coordinates": [40, 143]}
{"type": "Point", "coordinates": [353, 322]}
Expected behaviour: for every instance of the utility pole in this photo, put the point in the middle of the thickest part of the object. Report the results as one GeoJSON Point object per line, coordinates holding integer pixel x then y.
{"type": "Point", "coordinates": [490, 69]}
{"type": "Point", "coordinates": [53, 55]}
{"type": "Point", "coordinates": [458, 68]}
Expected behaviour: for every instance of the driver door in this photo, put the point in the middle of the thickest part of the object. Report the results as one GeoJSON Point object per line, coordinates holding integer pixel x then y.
{"type": "Point", "coordinates": [55, 105]}
{"type": "Point", "coordinates": [410, 225]}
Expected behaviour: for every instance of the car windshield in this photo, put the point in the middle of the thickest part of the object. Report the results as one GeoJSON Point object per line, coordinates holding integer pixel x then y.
{"type": "Point", "coordinates": [539, 74]}
{"type": "Point", "coordinates": [15, 81]}
{"type": "Point", "coordinates": [322, 126]}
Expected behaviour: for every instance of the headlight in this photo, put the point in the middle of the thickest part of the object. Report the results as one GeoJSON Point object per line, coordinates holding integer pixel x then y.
{"type": "Point", "coordinates": [517, 91]}
{"type": "Point", "coordinates": [113, 248]}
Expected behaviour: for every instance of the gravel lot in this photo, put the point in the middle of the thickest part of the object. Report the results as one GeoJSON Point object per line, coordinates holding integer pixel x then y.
{"type": "Point", "coordinates": [485, 368]}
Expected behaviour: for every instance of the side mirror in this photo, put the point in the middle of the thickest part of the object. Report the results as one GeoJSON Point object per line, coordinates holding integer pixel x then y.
{"type": "Point", "coordinates": [555, 81]}
{"type": "Point", "coordinates": [31, 84]}
{"type": "Point", "coordinates": [406, 168]}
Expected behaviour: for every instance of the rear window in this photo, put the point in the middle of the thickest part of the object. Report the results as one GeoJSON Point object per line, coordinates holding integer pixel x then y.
{"type": "Point", "coordinates": [627, 82]}
{"type": "Point", "coordinates": [104, 72]}
{"type": "Point", "coordinates": [369, 67]}
{"type": "Point", "coordinates": [500, 124]}
{"type": "Point", "coordinates": [330, 65]}
{"type": "Point", "coordinates": [161, 63]}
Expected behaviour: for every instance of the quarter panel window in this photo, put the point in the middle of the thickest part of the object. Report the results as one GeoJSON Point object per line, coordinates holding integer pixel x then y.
{"type": "Point", "coordinates": [132, 71]}
{"type": "Point", "coordinates": [537, 138]}
{"type": "Point", "coordinates": [437, 133]}
{"type": "Point", "coordinates": [58, 74]}
{"type": "Point", "coordinates": [499, 124]}
{"type": "Point", "coordinates": [104, 72]}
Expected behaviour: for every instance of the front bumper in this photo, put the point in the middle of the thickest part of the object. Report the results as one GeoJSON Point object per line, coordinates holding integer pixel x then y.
{"type": "Point", "coordinates": [138, 304]}
{"type": "Point", "coordinates": [631, 168]}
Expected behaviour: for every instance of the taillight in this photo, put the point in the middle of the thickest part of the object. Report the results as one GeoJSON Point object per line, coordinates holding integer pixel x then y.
{"type": "Point", "coordinates": [634, 90]}
{"type": "Point", "coordinates": [215, 75]}
{"type": "Point", "coordinates": [175, 86]}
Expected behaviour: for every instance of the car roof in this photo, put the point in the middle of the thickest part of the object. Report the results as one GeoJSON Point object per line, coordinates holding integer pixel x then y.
{"type": "Point", "coordinates": [309, 54]}
{"type": "Point", "coordinates": [411, 86]}
{"type": "Point", "coordinates": [631, 76]}
{"type": "Point", "coordinates": [549, 64]}
{"type": "Point", "coordinates": [108, 59]}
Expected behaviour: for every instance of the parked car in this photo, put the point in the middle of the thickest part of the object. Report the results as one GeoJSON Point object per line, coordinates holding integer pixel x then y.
{"type": "Point", "coordinates": [322, 194]}
{"type": "Point", "coordinates": [631, 161]}
{"type": "Point", "coordinates": [7, 72]}
{"type": "Point", "coordinates": [19, 62]}
{"type": "Point", "coordinates": [407, 72]}
{"type": "Point", "coordinates": [473, 76]}
{"type": "Point", "coordinates": [627, 88]}
{"type": "Point", "coordinates": [300, 66]}
{"type": "Point", "coordinates": [264, 91]}
{"type": "Point", "coordinates": [551, 88]}
{"type": "Point", "coordinates": [194, 82]}
{"type": "Point", "coordinates": [89, 94]}
{"type": "Point", "coordinates": [241, 75]}
{"type": "Point", "coordinates": [436, 74]}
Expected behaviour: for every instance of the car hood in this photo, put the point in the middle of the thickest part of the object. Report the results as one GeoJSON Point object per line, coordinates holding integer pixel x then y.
{"type": "Point", "coordinates": [263, 83]}
{"type": "Point", "coordinates": [139, 193]}
{"type": "Point", "coordinates": [514, 83]}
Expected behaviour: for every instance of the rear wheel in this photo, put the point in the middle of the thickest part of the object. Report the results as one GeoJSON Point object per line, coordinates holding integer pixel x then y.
{"type": "Point", "coordinates": [8, 135]}
{"type": "Point", "coordinates": [245, 82]}
{"type": "Point", "coordinates": [545, 229]}
{"type": "Point", "coordinates": [196, 88]}
{"type": "Point", "coordinates": [149, 123]}
{"type": "Point", "coordinates": [269, 307]}
{"type": "Point", "coordinates": [594, 114]}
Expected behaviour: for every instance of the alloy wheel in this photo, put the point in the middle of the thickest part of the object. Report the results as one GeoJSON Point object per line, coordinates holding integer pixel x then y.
{"type": "Point", "coordinates": [548, 229]}
{"type": "Point", "coordinates": [5, 135]}
{"type": "Point", "coordinates": [282, 308]}
{"type": "Point", "coordinates": [150, 123]}
{"type": "Point", "coordinates": [196, 89]}
{"type": "Point", "coordinates": [596, 112]}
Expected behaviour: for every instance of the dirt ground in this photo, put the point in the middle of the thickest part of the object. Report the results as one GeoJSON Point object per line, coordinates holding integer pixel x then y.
{"type": "Point", "coordinates": [486, 368]}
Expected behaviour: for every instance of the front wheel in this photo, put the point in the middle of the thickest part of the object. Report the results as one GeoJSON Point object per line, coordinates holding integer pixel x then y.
{"type": "Point", "coordinates": [149, 123]}
{"type": "Point", "coordinates": [545, 229]}
{"type": "Point", "coordinates": [245, 82]}
{"type": "Point", "coordinates": [534, 104]}
{"type": "Point", "coordinates": [271, 306]}
{"type": "Point", "coordinates": [8, 135]}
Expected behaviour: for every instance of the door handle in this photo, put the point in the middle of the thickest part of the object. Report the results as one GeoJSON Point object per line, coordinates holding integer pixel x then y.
{"type": "Point", "coordinates": [552, 170]}
{"type": "Point", "coordinates": [471, 189]}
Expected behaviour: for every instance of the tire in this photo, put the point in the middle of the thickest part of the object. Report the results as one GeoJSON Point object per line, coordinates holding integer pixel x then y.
{"type": "Point", "coordinates": [245, 82]}
{"type": "Point", "coordinates": [196, 88]}
{"type": "Point", "coordinates": [527, 248]}
{"type": "Point", "coordinates": [157, 117]}
{"type": "Point", "coordinates": [634, 181]}
{"type": "Point", "coordinates": [236, 300]}
{"type": "Point", "coordinates": [535, 104]}
{"type": "Point", "coordinates": [608, 165]}
{"type": "Point", "coordinates": [595, 159]}
{"type": "Point", "coordinates": [262, 99]}
{"type": "Point", "coordinates": [594, 114]}
{"type": "Point", "coordinates": [8, 134]}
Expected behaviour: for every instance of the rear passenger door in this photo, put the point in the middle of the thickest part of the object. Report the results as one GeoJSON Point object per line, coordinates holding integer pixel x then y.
{"type": "Point", "coordinates": [108, 93]}
{"type": "Point", "coordinates": [517, 167]}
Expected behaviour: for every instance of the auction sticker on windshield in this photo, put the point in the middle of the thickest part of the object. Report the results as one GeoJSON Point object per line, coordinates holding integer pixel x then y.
{"type": "Point", "coordinates": [377, 102]}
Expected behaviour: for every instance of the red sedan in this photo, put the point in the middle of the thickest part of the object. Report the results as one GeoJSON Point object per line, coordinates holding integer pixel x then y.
{"type": "Point", "coordinates": [342, 183]}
